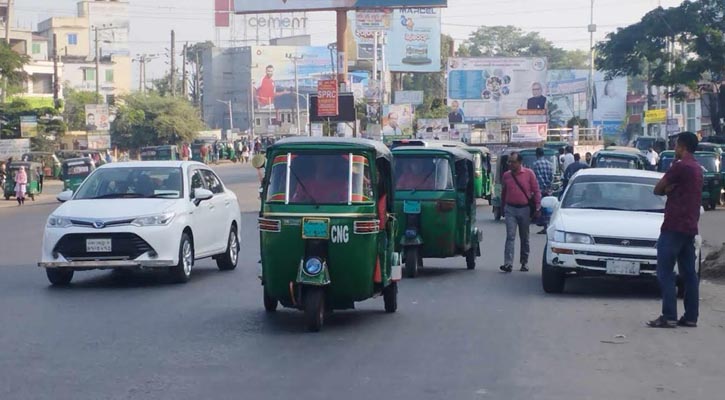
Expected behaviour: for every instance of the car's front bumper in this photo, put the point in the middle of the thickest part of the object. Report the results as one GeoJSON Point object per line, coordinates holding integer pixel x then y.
{"type": "Point", "coordinates": [592, 259]}
{"type": "Point", "coordinates": [108, 264]}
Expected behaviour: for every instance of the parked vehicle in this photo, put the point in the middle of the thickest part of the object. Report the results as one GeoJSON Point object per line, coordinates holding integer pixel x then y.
{"type": "Point", "coordinates": [149, 214]}
{"type": "Point", "coordinates": [35, 179]}
{"type": "Point", "coordinates": [712, 188]}
{"type": "Point", "coordinates": [160, 153]}
{"type": "Point", "coordinates": [620, 157]}
{"type": "Point", "coordinates": [326, 226]}
{"type": "Point", "coordinates": [74, 171]}
{"type": "Point", "coordinates": [434, 200]}
{"type": "Point", "coordinates": [51, 163]}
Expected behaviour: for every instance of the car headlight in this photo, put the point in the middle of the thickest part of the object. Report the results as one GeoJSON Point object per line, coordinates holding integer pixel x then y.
{"type": "Point", "coordinates": [560, 236]}
{"type": "Point", "coordinates": [154, 220]}
{"type": "Point", "coordinates": [58, 222]}
{"type": "Point", "coordinates": [576, 238]}
{"type": "Point", "coordinates": [313, 266]}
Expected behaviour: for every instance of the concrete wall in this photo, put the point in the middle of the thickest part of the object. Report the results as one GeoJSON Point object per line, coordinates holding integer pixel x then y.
{"type": "Point", "coordinates": [106, 14]}
{"type": "Point", "coordinates": [74, 74]}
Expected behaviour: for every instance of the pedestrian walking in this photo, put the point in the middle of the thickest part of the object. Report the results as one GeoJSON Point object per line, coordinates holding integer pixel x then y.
{"type": "Point", "coordinates": [544, 171]}
{"type": "Point", "coordinates": [185, 152]}
{"type": "Point", "coordinates": [521, 200]}
{"type": "Point", "coordinates": [682, 184]}
{"type": "Point", "coordinates": [245, 154]}
{"type": "Point", "coordinates": [21, 183]}
{"type": "Point", "coordinates": [652, 156]}
{"type": "Point", "coordinates": [573, 168]}
{"type": "Point", "coordinates": [588, 158]}
{"type": "Point", "coordinates": [204, 151]}
{"type": "Point", "coordinates": [568, 158]}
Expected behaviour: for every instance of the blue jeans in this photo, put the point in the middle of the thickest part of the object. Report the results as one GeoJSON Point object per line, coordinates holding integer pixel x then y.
{"type": "Point", "coordinates": [675, 247]}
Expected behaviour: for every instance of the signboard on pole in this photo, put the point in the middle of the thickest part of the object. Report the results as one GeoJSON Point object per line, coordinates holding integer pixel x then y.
{"type": "Point", "coordinates": [528, 133]}
{"type": "Point", "coordinates": [655, 116]}
{"type": "Point", "coordinates": [414, 97]}
{"type": "Point", "coordinates": [28, 126]}
{"type": "Point", "coordinates": [327, 98]}
{"type": "Point", "coordinates": [97, 118]}
{"type": "Point", "coordinates": [276, 6]}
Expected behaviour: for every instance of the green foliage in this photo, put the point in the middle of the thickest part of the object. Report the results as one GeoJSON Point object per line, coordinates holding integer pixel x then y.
{"type": "Point", "coordinates": [74, 111]}
{"type": "Point", "coordinates": [50, 126]}
{"type": "Point", "coordinates": [510, 41]}
{"type": "Point", "coordinates": [11, 65]}
{"type": "Point", "coordinates": [148, 120]}
{"type": "Point", "coordinates": [163, 86]}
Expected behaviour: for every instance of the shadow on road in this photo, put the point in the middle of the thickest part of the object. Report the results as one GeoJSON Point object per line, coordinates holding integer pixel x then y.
{"type": "Point", "coordinates": [603, 287]}
{"type": "Point", "coordinates": [131, 279]}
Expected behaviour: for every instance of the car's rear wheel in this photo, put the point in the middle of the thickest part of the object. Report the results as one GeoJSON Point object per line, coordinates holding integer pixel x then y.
{"type": "Point", "coordinates": [59, 277]}
{"type": "Point", "coordinates": [228, 260]}
{"type": "Point", "coordinates": [181, 273]}
{"type": "Point", "coordinates": [552, 279]}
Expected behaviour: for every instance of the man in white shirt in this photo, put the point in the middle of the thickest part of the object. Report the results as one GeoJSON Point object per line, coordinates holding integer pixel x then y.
{"type": "Point", "coordinates": [652, 156]}
{"type": "Point", "coordinates": [567, 158]}
{"type": "Point", "coordinates": [392, 127]}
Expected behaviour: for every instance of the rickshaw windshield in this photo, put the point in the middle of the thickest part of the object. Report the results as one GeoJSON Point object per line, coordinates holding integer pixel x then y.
{"type": "Point", "coordinates": [163, 154]}
{"type": "Point", "coordinates": [710, 163]}
{"type": "Point", "coordinates": [140, 182]}
{"type": "Point", "coordinates": [148, 154]}
{"type": "Point", "coordinates": [616, 162]}
{"type": "Point", "coordinates": [423, 173]}
{"type": "Point", "coordinates": [320, 178]}
{"type": "Point", "coordinates": [76, 169]}
{"type": "Point", "coordinates": [665, 164]}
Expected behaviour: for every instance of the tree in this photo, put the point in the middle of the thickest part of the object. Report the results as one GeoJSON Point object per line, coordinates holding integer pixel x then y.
{"type": "Point", "coordinates": [149, 119]}
{"type": "Point", "coordinates": [74, 111]}
{"type": "Point", "coordinates": [50, 125]}
{"type": "Point", "coordinates": [510, 41]}
{"type": "Point", "coordinates": [163, 88]}
{"type": "Point", "coordinates": [194, 55]}
{"type": "Point", "coordinates": [11, 65]}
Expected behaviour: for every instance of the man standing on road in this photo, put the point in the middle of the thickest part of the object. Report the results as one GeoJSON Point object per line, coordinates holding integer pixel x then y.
{"type": "Point", "coordinates": [652, 156]}
{"type": "Point", "coordinates": [573, 168]}
{"type": "Point", "coordinates": [519, 192]}
{"type": "Point", "coordinates": [544, 171]}
{"type": "Point", "coordinates": [567, 158]}
{"type": "Point", "coordinates": [682, 184]}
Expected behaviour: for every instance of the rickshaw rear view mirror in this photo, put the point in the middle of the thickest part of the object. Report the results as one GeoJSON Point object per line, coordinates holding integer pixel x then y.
{"type": "Point", "coordinates": [65, 196]}
{"type": "Point", "coordinates": [258, 161]}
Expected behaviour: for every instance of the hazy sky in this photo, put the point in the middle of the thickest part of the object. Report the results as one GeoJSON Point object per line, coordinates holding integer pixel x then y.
{"type": "Point", "coordinates": [562, 21]}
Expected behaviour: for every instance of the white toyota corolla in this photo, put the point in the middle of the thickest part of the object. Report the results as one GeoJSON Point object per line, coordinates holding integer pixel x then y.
{"type": "Point", "coordinates": [151, 214]}
{"type": "Point", "coordinates": [607, 223]}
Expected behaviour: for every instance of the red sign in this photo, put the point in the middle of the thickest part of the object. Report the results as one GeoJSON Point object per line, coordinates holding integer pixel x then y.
{"type": "Point", "coordinates": [327, 98]}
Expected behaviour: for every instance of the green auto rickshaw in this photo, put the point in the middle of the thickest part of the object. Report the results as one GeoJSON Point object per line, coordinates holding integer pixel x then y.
{"type": "Point", "coordinates": [326, 226]}
{"type": "Point", "coordinates": [481, 167]}
{"type": "Point", "coordinates": [51, 163]}
{"type": "Point", "coordinates": [160, 153]}
{"type": "Point", "coordinates": [435, 202]}
{"type": "Point", "coordinates": [620, 157]}
{"type": "Point", "coordinates": [74, 172]}
{"type": "Point", "coordinates": [712, 192]}
{"type": "Point", "coordinates": [34, 187]}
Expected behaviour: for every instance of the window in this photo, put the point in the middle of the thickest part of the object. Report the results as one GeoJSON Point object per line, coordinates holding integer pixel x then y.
{"type": "Point", "coordinates": [109, 75]}
{"type": "Point", "coordinates": [89, 74]}
{"type": "Point", "coordinates": [257, 122]}
{"type": "Point", "coordinates": [36, 48]}
{"type": "Point", "coordinates": [423, 173]}
{"type": "Point", "coordinates": [155, 182]}
{"type": "Point", "coordinates": [197, 182]}
{"type": "Point", "coordinates": [678, 108]}
{"type": "Point", "coordinates": [72, 39]}
{"type": "Point", "coordinates": [614, 193]}
{"type": "Point", "coordinates": [691, 116]}
{"type": "Point", "coordinates": [212, 182]}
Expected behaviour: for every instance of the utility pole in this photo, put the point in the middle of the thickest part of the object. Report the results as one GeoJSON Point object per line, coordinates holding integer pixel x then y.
{"type": "Point", "coordinates": [98, 67]}
{"type": "Point", "coordinates": [184, 91]}
{"type": "Point", "coordinates": [590, 103]}
{"type": "Point", "coordinates": [295, 59]}
{"type": "Point", "coordinates": [172, 74]}
{"type": "Point", "coordinates": [56, 84]}
{"type": "Point", "coordinates": [8, 18]}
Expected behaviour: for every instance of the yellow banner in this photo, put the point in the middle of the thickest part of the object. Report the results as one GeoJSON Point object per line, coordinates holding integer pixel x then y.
{"type": "Point", "coordinates": [655, 116]}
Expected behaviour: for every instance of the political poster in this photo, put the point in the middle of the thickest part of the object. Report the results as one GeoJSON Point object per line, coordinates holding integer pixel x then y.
{"type": "Point", "coordinates": [99, 141]}
{"type": "Point", "coordinates": [610, 106]}
{"type": "Point", "coordinates": [28, 126]}
{"type": "Point", "coordinates": [528, 133]}
{"type": "Point", "coordinates": [97, 117]}
{"type": "Point", "coordinates": [496, 88]}
{"type": "Point", "coordinates": [397, 120]}
{"type": "Point", "coordinates": [432, 128]}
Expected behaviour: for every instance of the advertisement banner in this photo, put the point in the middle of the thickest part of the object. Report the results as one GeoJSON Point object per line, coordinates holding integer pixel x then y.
{"type": "Point", "coordinates": [100, 141]}
{"type": "Point", "coordinates": [271, 6]}
{"type": "Point", "coordinates": [528, 133]}
{"type": "Point", "coordinates": [97, 117]}
{"type": "Point", "coordinates": [327, 98]}
{"type": "Point", "coordinates": [414, 43]}
{"type": "Point", "coordinates": [568, 86]}
{"type": "Point", "coordinates": [490, 88]}
{"type": "Point", "coordinates": [432, 128]}
{"type": "Point", "coordinates": [28, 126]}
{"type": "Point", "coordinates": [655, 116]}
{"type": "Point", "coordinates": [273, 74]}
{"type": "Point", "coordinates": [414, 97]}
{"type": "Point", "coordinates": [398, 120]}
{"type": "Point", "coordinates": [610, 106]}
{"type": "Point", "coordinates": [14, 148]}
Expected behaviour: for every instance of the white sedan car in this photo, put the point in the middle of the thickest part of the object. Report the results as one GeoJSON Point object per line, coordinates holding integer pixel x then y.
{"type": "Point", "coordinates": [151, 214]}
{"type": "Point", "coordinates": [607, 223]}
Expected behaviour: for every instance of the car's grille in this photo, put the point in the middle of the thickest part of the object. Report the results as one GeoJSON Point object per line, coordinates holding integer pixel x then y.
{"type": "Point", "coordinates": [124, 246]}
{"type": "Point", "coordinates": [89, 223]}
{"type": "Point", "coordinates": [603, 264]}
{"type": "Point", "coordinates": [615, 255]}
{"type": "Point", "coordinates": [624, 242]}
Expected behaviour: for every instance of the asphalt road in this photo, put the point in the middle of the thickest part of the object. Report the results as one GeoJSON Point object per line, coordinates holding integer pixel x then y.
{"type": "Point", "coordinates": [458, 334]}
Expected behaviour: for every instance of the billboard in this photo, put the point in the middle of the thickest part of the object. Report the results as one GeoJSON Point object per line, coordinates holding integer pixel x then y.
{"type": "Point", "coordinates": [97, 118]}
{"type": "Point", "coordinates": [270, 6]}
{"type": "Point", "coordinates": [28, 126]}
{"type": "Point", "coordinates": [327, 98]}
{"type": "Point", "coordinates": [432, 128]}
{"type": "Point", "coordinates": [99, 141]}
{"type": "Point", "coordinates": [414, 97]}
{"type": "Point", "coordinates": [398, 120]}
{"type": "Point", "coordinates": [14, 148]}
{"type": "Point", "coordinates": [528, 132]}
{"type": "Point", "coordinates": [610, 106]}
{"type": "Point", "coordinates": [567, 92]}
{"type": "Point", "coordinates": [273, 74]}
{"type": "Point", "coordinates": [413, 35]}
{"type": "Point", "coordinates": [491, 88]}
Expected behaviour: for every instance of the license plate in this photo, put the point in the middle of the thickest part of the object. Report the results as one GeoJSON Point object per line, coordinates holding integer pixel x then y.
{"type": "Point", "coordinates": [622, 268]}
{"type": "Point", "coordinates": [315, 228]}
{"type": "Point", "coordinates": [411, 207]}
{"type": "Point", "coordinates": [98, 245]}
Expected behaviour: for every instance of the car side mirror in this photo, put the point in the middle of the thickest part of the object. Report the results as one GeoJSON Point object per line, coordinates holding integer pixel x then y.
{"type": "Point", "coordinates": [202, 195]}
{"type": "Point", "coordinates": [549, 202]}
{"type": "Point", "coordinates": [65, 196]}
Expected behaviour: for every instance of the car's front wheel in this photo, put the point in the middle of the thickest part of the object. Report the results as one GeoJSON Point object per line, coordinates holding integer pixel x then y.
{"type": "Point", "coordinates": [59, 277]}
{"type": "Point", "coordinates": [228, 260]}
{"type": "Point", "coordinates": [181, 273]}
{"type": "Point", "coordinates": [552, 279]}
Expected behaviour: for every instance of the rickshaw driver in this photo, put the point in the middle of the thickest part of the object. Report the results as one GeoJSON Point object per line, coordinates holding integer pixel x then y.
{"type": "Point", "coordinates": [415, 176]}
{"type": "Point", "coordinates": [325, 184]}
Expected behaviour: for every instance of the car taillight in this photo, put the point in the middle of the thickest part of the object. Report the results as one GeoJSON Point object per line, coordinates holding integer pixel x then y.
{"type": "Point", "coordinates": [366, 227]}
{"type": "Point", "coordinates": [446, 205]}
{"type": "Point", "coordinates": [269, 225]}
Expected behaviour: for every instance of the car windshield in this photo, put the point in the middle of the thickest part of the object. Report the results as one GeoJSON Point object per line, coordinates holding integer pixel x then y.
{"type": "Point", "coordinates": [665, 164]}
{"type": "Point", "coordinates": [709, 162]}
{"type": "Point", "coordinates": [423, 173]}
{"type": "Point", "coordinates": [320, 178]}
{"type": "Point", "coordinates": [614, 193]}
{"type": "Point", "coordinates": [135, 182]}
{"type": "Point", "coordinates": [616, 162]}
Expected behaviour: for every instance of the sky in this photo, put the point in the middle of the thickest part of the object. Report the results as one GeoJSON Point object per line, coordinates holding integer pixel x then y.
{"type": "Point", "coordinates": [564, 22]}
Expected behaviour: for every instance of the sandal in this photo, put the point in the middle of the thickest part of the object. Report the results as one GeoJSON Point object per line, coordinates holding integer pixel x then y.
{"type": "Point", "coordinates": [661, 322]}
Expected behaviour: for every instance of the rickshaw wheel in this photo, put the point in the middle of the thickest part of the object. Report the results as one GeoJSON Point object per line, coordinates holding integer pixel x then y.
{"type": "Point", "coordinates": [471, 258]}
{"type": "Point", "coordinates": [314, 305]}
{"type": "Point", "coordinates": [390, 297]}
{"type": "Point", "coordinates": [59, 277]}
{"type": "Point", "coordinates": [270, 303]}
{"type": "Point", "coordinates": [411, 262]}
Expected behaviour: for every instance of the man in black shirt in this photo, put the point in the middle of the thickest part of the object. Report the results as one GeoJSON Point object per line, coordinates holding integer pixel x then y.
{"type": "Point", "coordinates": [538, 101]}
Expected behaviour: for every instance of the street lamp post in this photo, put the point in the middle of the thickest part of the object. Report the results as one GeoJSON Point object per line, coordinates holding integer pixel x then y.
{"type": "Point", "coordinates": [294, 58]}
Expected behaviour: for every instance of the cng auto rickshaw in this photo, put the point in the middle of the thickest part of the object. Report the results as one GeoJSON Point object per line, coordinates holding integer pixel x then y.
{"type": "Point", "coordinates": [326, 226]}
{"type": "Point", "coordinates": [620, 157]}
{"type": "Point", "coordinates": [712, 182]}
{"type": "Point", "coordinates": [51, 163]}
{"type": "Point", "coordinates": [34, 170]}
{"type": "Point", "coordinates": [434, 200]}
{"type": "Point", "coordinates": [74, 172]}
{"type": "Point", "coordinates": [160, 153]}
{"type": "Point", "coordinates": [481, 164]}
